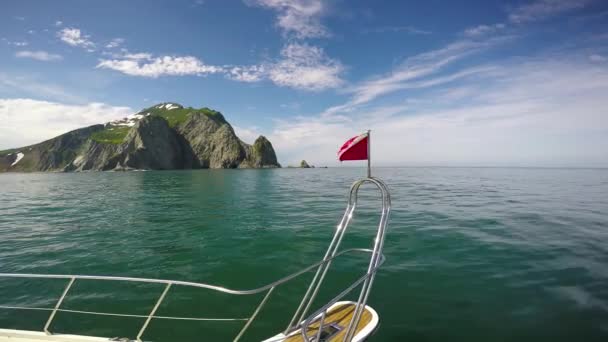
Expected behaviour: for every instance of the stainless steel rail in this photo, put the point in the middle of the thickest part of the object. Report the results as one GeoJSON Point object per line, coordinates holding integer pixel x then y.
{"type": "Point", "coordinates": [168, 283]}
{"type": "Point", "coordinates": [376, 261]}
{"type": "Point", "coordinates": [299, 320]}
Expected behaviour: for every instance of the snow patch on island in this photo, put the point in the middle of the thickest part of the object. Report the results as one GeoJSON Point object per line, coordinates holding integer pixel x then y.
{"type": "Point", "coordinates": [19, 157]}
{"type": "Point", "coordinates": [131, 120]}
{"type": "Point", "coordinates": [128, 121]}
{"type": "Point", "coordinates": [167, 106]}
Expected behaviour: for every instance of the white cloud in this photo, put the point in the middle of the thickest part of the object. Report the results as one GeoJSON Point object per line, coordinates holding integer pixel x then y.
{"type": "Point", "coordinates": [39, 55]}
{"type": "Point", "coordinates": [551, 107]}
{"type": "Point", "coordinates": [542, 9]}
{"type": "Point", "coordinates": [58, 23]}
{"type": "Point", "coordinates": [253, 73]}
{"type": "Point", "coordinates": [297, 18]}
{"type": "Point", "coordinates": [301, 66]}
{"type": "Point", "coordinates": [74, 37]}
{"type": "Point", "coordinates": [28, 121]}
{"type": "Point", "coordinates": [306, 67]}
{"type": "Point", "coordinates": [597, 58]}
{"type": "Point", "coordinates": [114, 43]}
{"type": "Point", "coordinates": [145, 66]}
{"type": "Point", "coordinates": [481, 30]}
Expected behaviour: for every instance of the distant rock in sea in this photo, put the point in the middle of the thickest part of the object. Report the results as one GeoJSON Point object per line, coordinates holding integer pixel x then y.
{"type": "Point", "coordinates": [163, 137]}
{"type": "Point", "coordinates": [304, 164]}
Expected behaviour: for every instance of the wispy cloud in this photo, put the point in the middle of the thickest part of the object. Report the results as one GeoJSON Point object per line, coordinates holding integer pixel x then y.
{"type": "Point", "coordinates": [297, 18]}
{"type": "Point", "coordinates": [306, 67]}
{"type": "Point", "coordinates": [412, 69]}
{"type": "Point", "coordinates": [58, 23]}
{"type": "Point", "coordinates": [406, 29]}
{"type": "Point", "coordinates": [145, 65]}
{"type": "Point", "coordinates": [11, 85]}
{"type": "Point", "coordinates": [249, 74]}
{"type": "Point", "coordinates": [301, 66]}
{"type": "Point", "coordinates": [114, 43]}
{"type": "Point", "coordinates": [482, 30]}
{"type": "Point", "coordinates": [291, 105]}
{"type": "Point", "coordinates": [39, 55]}
{"type": "Point", "coordinates": [74, 37]}
{"type": "Point", "coordinates": [551, 106]}
{"type": "Point", "coordinates": [46, 119]}
{"type": "Point", "coordinates": [542, 9]}
{"type": "Point", "coordinates": [15, 43]}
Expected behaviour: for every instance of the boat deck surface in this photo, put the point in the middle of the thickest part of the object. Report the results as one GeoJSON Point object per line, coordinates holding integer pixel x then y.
{"type": "Point", "coordinates": [339, 316]}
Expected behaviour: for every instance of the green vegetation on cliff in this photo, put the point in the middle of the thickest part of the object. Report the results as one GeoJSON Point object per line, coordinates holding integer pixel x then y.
{"type": "Point", "coordinates": [115, 132]}
{"type": "Point", "coordinates": [111, 135]}
{"type": "Point", "coordinates": [179, 115]}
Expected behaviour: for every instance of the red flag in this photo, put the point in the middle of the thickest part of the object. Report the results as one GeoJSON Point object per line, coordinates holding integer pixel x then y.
{"type": "Point", "coordinates": [354, 148]}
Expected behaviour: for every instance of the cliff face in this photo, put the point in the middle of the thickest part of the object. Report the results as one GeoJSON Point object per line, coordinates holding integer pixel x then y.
{"type": "Point", "coordinates": [163, 137]}
{"type": "Point", "coordinates": [50, 155]}
{"type": "Point", "coordinates": [213, 141]}
{"type": "Point", "coordinates": [261, 154]}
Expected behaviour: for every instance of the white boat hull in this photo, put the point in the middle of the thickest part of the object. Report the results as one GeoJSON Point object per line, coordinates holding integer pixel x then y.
{"type": "Point", "coordinates": [8, 335]}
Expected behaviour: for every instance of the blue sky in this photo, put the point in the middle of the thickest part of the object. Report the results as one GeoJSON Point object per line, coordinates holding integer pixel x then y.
{"type": "Point", "coordinates": [519, 83]}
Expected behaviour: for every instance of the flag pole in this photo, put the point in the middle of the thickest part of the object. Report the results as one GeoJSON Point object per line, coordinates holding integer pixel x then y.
{"type": "Point", "coordinates": [369, 156]}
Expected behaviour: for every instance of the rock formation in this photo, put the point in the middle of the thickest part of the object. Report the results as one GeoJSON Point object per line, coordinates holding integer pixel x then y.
{"type": "Point", "coordinates": [163, 137]}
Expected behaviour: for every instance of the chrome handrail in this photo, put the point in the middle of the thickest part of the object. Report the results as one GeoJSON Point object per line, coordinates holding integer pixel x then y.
{"type": "Point", "coordinates": [168, 283]}
{"type": "Point", "coordinates": [185, 283]}
{"type": "Point", "coordinates": [300, 315]}
{"type": "Point", "coordinates": [376, 261]}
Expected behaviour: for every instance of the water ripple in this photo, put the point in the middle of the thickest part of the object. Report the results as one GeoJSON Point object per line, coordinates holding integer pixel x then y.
{"type": "Point", "coordinates": [473, 253]}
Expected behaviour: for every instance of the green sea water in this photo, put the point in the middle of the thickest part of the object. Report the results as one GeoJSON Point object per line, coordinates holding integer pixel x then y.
{"type": "Point", "coordinates": [475, 254]}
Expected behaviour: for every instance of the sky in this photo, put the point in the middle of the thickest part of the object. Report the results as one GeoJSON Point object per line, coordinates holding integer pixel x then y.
{"type": "Point", "coordinates": [466, 83]}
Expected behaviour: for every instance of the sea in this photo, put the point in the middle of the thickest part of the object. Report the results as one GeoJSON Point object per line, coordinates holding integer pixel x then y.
{"type": "Point", "coordinates": [472, 254]}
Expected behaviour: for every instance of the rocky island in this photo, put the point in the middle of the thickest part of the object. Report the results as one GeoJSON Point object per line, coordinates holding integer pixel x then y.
{"type": "Point", "coordinates": [166, 136]}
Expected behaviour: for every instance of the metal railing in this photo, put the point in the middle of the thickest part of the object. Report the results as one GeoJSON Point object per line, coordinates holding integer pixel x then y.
{"type": "Point", "coordinates": [322, 267]}
{"type": "Point", "coordinates": [168, 284]}
{"type": "Point", "coordinates": [377, 258]}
